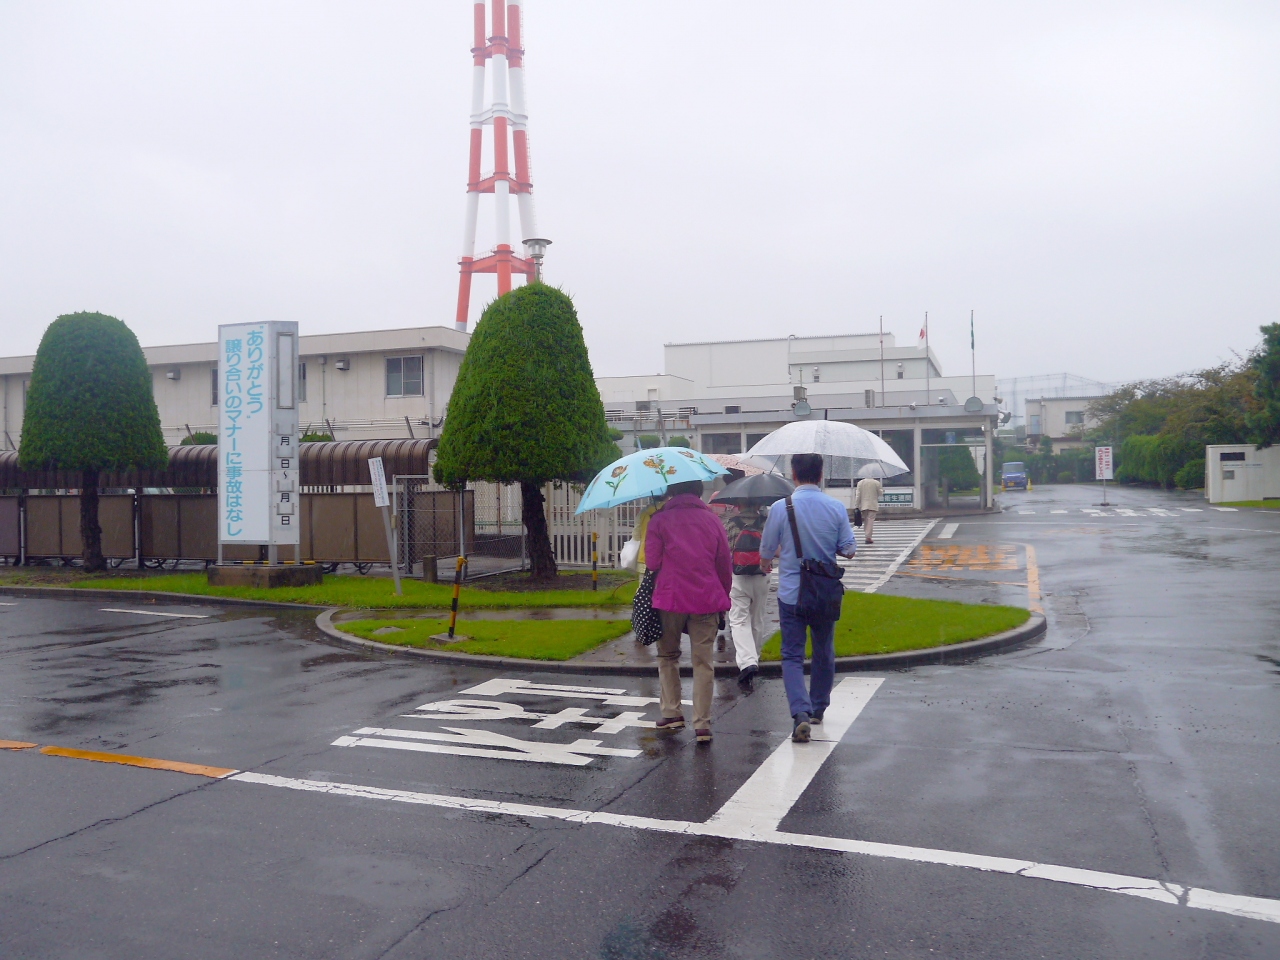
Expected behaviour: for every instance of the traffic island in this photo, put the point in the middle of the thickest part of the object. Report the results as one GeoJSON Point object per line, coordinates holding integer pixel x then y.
{"type": "Point", "coordinates": [263, 576]}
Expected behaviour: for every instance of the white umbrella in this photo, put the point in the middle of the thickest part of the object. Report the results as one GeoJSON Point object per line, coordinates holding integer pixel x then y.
{"type": "Point", "coordinates": [854, 451]}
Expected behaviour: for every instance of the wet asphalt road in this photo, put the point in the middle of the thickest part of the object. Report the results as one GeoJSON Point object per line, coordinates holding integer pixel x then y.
{"type": "Point", "coordinates": [1139, 737]}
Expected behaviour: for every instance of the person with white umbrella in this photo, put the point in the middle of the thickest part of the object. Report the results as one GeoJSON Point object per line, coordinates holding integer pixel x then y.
{"type": "Point", "coordinates": [807, 529]}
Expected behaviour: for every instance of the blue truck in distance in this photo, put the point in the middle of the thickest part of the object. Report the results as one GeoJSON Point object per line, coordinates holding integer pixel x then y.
{"type": "Point", "coordinates": [1013, 476]}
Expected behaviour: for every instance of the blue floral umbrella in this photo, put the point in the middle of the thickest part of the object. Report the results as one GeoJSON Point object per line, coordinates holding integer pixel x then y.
{"type": "Point", "coordinates": [646, 473]}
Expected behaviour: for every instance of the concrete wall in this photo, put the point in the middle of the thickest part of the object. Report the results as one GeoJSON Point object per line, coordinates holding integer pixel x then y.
{"type": "Point", "coordinates": [1240, 471]}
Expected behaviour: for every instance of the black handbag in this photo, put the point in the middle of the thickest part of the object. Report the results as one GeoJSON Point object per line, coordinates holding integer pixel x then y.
{"type": "Point", "coordinates": [646, 622]}
{"type": "Point", "coordinates": [821, 592]}
{"type": "Point", "coordinates": [857, 516]}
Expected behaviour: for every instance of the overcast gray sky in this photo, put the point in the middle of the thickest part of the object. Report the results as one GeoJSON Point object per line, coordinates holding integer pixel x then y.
{"type": "Point", "coordinates": [1097, 180]}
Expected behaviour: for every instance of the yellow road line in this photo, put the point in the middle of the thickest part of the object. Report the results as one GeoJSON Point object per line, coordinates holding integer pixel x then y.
{"type": "Point", "coordinates": [16, 745]}
{"type": "Point", "coordinates": [943, 576]}
{"type": "Point", "coordinates": [1033, 581]}
{"type": "Point", "coordinates": [197, 769]}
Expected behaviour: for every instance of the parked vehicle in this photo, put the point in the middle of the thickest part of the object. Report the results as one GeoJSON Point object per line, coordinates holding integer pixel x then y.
{"type": "Point", "coordinates": [1013, 476]}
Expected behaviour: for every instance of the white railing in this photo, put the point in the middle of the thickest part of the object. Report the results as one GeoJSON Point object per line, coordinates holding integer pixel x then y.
{"type": "Point", "coordinates": [571, 535]}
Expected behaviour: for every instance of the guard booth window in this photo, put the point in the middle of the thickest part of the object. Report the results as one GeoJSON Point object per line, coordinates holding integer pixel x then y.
{"type": "Point", "coordinates": [722, 443]}
{"type": "Point", "coordinates": [302, 382]}
{"type": "Point", "coordinates": [404, 376]}
{"type": "Point", "coordinates": [213, 386]}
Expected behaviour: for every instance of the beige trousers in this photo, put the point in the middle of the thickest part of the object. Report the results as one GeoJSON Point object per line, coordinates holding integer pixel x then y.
{"type": "Point", "coordinates": [701, 628]}
{"type": "Point", "coordinates": [868, 523]}
{"type": "Point", "coordinates": [747, 618]}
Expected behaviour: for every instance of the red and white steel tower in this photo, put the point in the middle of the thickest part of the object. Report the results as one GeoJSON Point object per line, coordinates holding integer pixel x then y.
{"type": "Point", "coordinates": [501, 52]}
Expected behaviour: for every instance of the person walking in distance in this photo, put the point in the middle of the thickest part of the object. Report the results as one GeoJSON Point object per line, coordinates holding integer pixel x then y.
{"type": "Point", "coordinates": [686, 545]}
{"type": "Point", "coordinates": [868, 501]}
{"type": "Point", "coordinates": [822, 527]}
{"type": "Point", "coordinates": [748, 620]}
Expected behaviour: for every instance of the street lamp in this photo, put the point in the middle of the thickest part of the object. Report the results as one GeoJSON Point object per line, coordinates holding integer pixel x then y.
{"type": "Point", "coordinates": [536, 249]}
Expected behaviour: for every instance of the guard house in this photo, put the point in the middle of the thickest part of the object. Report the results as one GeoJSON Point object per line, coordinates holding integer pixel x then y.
{"type": "Point", "coordinates": [726, 395]}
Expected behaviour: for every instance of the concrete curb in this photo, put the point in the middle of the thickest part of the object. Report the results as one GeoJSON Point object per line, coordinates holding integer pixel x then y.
{"type": "Point", "coordinates": [953, 653]}
{"type": "Point", "coordinates": [153, 596]}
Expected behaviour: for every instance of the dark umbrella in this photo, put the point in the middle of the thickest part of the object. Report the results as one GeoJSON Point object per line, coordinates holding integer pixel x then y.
{"type": "Point", "coordinates": [763, 486]}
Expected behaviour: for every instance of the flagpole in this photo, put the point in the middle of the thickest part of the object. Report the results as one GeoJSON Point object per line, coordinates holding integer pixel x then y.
{"type": "Point", "coordinates": [928, 389]}
{"type": "Point", "coordinates": [881, 403]}
{"type": "Point", "coordinates": [973, 356]}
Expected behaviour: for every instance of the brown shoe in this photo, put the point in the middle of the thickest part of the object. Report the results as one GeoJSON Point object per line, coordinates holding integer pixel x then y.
{"type": "Point", "coordinates": [670, 723]}
{"type": "Point", "coordinates": [703, 735]}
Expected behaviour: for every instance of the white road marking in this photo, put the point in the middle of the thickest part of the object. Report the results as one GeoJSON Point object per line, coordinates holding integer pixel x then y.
{"type": "Point", "coordinates": [500, 686]}
{"type": "Point", "coordinates": [1026, 513]}
{"type": "Point", "coordinates": [1225, 509]}
{"type": "Point", "coordinates": [483, 743]}
{"type": "Point", "coordinates": [1057, 511]}
{"type": "Point", "coordinates": [158, 613]}
{"type": "Point", "coordinates": [1256, 908]}
{"type": "Point", "coordinates": [1161, 512]}
{"type": "Point", "coordinates": [1126, 512]}
{"type": "Point", "coordinates": [8, 604]}
{"type": "Point", "coordinates": [908, 546]}
{"type": "Point", "coordinates": [1191, 509]}
{"type": "Point", "coordinates": [948, 531]}
{"type": "Point", "coordinates": [769, 794]}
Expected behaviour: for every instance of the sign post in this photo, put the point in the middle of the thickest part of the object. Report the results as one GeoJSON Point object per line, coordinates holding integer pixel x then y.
{"type": "Point", "coordinates": [383, 503]}
{"type": "Point", "coordinates": [258, 494]}
{"type": "Point", "coordinates": [1103, 470]}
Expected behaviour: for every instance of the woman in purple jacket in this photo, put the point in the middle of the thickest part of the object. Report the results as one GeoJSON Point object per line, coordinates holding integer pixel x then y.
{"type": "Point", "coordinates": [686, 544]}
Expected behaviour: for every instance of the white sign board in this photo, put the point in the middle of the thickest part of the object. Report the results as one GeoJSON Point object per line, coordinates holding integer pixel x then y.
{"type": "Point", "coordinates": [901, 497]}
{"type": "Point", "coordinates": [379, 478]}
{"type": "Point", "coordinates": [1103, 464]}
{"type": "Point", "coordinates": [258, 433]}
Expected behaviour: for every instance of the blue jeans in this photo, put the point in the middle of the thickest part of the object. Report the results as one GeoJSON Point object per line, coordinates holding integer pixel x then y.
{"type": "Point", "coordinates": [822, 672]}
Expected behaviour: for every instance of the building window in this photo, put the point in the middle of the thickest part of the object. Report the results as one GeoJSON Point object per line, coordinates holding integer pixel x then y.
{"type": "Point", "coordinates": [642, 406]}
{"type": "Point", "coordinates": [722, 443]}
{"type": "Point", "coordinates": [1228, 455]}
{"type": "Point", "coordinates": [1033, 424]}
{"type": "Point", "coordinates": [733, 409]}
{"type": "Point", "coordinates": [754, 438]}
{"type": "Point", "coordinates": [404, 376]}
{"type": "Point", "coordinates": [302, 382]}
{"type": "Point", "coordinates": [1075, 417]}
{"type": "Point", "coordinates": [213, 386]}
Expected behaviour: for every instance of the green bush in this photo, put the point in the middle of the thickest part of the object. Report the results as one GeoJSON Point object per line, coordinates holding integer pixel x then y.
{"type": "Point", "coordinates": [679, 442]}
{"type": "Point", "coordinates": [1066, 476]}
{"type": "Point", "coordinates": [525, 408]}
{"type": "Point", "coordinates": [89, 408]}
{"type": "Point", "coordinates": [201, 438]}
{"type": "Point", "coordinates": [1191, 476]}
{"type": "Point", "coordinates": [316, 438]}
{"type": "Point", "coordinates": [648, 441]}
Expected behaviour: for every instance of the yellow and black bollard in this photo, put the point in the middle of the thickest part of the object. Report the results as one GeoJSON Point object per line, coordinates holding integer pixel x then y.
{"type": "Point", "coordinates": [457, 590]}
{"type": "Point", "coordinates": [595, 561]}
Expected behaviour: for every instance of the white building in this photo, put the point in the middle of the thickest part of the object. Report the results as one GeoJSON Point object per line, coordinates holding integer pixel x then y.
{"type": "Point", "coordinates": [1063, 420]}
{"type": "Point", "coordinates": [1241, 472]}
{"type": "Point", "coordinates": [375, 384]}
{"type": "Point", "coordinates": [726, 395]}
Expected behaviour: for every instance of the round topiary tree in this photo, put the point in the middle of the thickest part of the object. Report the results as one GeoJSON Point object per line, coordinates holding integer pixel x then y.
{"type": "Point", "coordinates": [90, 408]}
{"type": "Point", "coordinates": [525, 408]}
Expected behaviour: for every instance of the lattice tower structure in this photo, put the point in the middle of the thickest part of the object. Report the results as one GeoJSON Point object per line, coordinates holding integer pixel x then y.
{"type": "Point", "coordinates": [500, 56]}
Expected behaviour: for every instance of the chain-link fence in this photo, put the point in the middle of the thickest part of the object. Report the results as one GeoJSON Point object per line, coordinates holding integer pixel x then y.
{"type": "Point", "coordinates": [435, 523]}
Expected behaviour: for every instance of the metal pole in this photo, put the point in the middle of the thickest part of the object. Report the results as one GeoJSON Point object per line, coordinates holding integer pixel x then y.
{"type": "Point", "coordinates": [881, 403]}
{"type": "Point", "coordinates": [391, 547]}
{"type": "Point", "coordinates": [595, 560]}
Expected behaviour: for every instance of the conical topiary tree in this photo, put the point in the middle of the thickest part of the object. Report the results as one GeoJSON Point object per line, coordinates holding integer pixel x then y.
{"type": "Point", "coordinates": [525, 408]}
{"type": "Point", "coordinates": [90, 408]}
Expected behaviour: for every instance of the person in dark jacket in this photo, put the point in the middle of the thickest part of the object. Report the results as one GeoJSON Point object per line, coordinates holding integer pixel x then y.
{"type": "Point", "coordinates": [686, 545]}
{"type": "Point", "coordinates": [750, 591]}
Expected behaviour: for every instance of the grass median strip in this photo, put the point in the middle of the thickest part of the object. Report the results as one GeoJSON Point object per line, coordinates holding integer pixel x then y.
{"type": "Point", "coordinates": [876, 623]}
{"type": "Point", "coordinates": [372, 592]}
{"type": "Point", "coordinates": [527, 639]}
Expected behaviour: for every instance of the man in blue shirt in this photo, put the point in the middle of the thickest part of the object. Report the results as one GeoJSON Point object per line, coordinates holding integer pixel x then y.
{"type": "Point", "coordinates": [824, 532]}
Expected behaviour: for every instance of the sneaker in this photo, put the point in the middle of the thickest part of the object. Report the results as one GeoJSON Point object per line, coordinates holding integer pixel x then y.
{"type": "Point", "coordinates": [670, 723]}
{"type": "Point", "coordinates": [800, 732]}
{"type": "Point", "coordinates": [747, 678]}
{"type": "Point", "coordinates": [703, 735]}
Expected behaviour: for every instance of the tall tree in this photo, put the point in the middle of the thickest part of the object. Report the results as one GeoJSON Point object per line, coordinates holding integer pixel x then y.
{"type": "Point", "coordinates": [525, 408]}
{"type": "Point", "coordinates": [1264, 423]}
{"type": "Point", "coordinates": [90, 408]}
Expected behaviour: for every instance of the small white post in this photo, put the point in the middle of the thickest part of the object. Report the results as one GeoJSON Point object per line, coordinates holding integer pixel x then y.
{"type": "Point", "coordinates": [383, 503]}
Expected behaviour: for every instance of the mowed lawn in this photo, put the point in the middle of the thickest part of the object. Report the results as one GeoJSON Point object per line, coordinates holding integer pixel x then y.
{"type": "Point", "coordinates": [530, 639]}
{"type": "Point", "coordinates": [874, 623]}
{"type": "Point", "coordinates": [371, 593]}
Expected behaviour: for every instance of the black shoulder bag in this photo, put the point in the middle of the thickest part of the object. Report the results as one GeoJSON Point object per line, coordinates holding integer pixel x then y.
{"type": "Point", "coordinates": [821, 591]}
